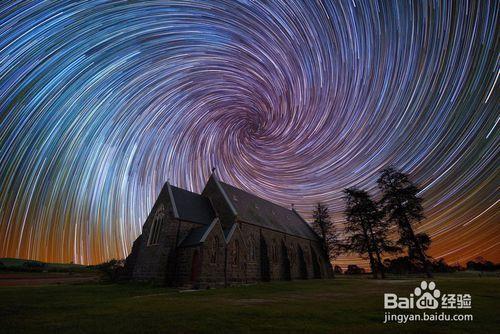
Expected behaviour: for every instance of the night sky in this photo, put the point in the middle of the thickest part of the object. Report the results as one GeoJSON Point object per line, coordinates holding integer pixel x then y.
{"type": "Point", "coordinates": [101, 103]}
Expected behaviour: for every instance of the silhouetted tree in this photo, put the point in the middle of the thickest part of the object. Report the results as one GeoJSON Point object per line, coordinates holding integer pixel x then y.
{"type": "Point", "coordinates": [441, 266]}
{"type": "Point", "coordinates": [324, 227]}
{"type": "Point", "coordinates": [405, 265]}
{"type": "Point", "coordinates": [353, 269]}
{"type": "Point", "coordinates": [401, 265]}
{"type": "Point", "coordinates": [403, 207]}
{"type": "Point", "coordinates": [480, 264]}
{"type": "Point", "coordinates": [113, 270]}
{"type": "Point", "coordinates": [425, 242]}
{"type": "Point", "coordinates": [366, 231]}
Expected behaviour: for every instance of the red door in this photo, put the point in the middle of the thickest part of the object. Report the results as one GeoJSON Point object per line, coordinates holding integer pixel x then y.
{"type": "Point", "coordinates": [195, 267]}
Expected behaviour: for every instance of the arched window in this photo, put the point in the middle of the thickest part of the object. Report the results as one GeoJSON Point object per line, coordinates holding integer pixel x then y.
{"type": "Point", "coordinates": [292, 254]}
{"type": "Point", "coordinates": [274, 251]}
{"type": "Point", "coordinates": [155, 231]}
{"type": "Point", "coordinates": [214, 250]}
{"type": "Point", "coordinates": [236, 253]}
{"type": "Point", "coordinates": [253, 247]}
{"type": "Point", "coordinates": [307, 257]}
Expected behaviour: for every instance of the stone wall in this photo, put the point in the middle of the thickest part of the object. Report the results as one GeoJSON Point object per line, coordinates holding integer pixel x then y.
{"type": "Point", "coordinates": [213, 260]}
{"type": "Point", "coordinates": [184, 261]}
{"type": "Point", "coordinates": [251, 237]}
{"type": "Point", "coordinates": [274, 241]}
{"type": "Point", "coordinates": [243, 257]}
{"type": "Point", "coordinates": [236, 259]}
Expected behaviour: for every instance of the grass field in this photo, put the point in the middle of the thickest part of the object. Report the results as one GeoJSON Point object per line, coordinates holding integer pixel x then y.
{"type": "Point", "coordinates": [342, 305]}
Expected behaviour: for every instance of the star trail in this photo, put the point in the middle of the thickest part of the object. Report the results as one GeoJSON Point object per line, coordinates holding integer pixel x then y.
{"type": "Point", "coordinates": [102, 102]}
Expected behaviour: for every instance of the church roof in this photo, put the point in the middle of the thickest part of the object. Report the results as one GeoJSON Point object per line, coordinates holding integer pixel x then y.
{"type": "Point", "coordinates": [198, 235]}
{"type": "Point", "coordinates": [191, 207]}
{"type": "Point", "coordinates": [194, 237]}
{"type": "Point", "coordinates": [196, 208]}
{"type": "Point", "coordinates": [258, 211]}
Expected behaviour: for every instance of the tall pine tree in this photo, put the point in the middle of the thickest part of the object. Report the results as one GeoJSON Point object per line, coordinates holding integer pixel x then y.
{"type": "Point", "coordinates": [403, 207]}
{"type": "Point", "coordinates": [365, 230]}
{"type": "Point", "coordinates": [325, 228]}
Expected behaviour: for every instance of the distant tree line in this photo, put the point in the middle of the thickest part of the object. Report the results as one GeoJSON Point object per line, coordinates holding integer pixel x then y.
{"type": "Point", "coordinates": [480, 264]}
{"type": "Point", "coordinates": [110, 271]}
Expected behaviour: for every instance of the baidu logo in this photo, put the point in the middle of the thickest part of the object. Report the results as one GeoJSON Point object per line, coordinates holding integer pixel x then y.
{"type": "Point", "coordinates": [427, 296]}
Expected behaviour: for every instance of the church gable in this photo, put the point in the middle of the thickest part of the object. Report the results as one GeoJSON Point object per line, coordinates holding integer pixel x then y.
{"type": "Point", "coordinates": [192, 207]}
{"type": "Point", "coordinates": [150, 253]}
{"type": "Point", "coordinates": [163, 203]}
{"type": "Point", "coordinates": [222, 205]}
{"type": "Point", "coordinates": [154, 229]}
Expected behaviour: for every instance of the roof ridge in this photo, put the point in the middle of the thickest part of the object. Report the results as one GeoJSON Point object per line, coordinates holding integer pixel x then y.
{"type": "Point", "coordinates": [224, 194]}
{"type": "Point", "coordinates": [265, 213]}
{"type": "Point", "coordinates": [305, 222]}
{"type": "Point", "coordinates": [172, 200]}
{"type": "Point", "coordinates": [260, 198]}
{"type": "Point", "coordinates": [230, 233]}
{"type": "Point", "coordinates": [189, 191]}
{"type": "Point", "coordinates": [209, 229]}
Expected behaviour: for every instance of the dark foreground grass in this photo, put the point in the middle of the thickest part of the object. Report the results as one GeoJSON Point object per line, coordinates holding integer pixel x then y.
{"type": "Point", "coordinates": [342, 305]}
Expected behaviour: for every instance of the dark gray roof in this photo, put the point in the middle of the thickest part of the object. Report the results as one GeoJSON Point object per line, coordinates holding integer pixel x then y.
{"type": "Point", "coordinates": [258, 211]}
{"type": "Point", "coordinates": [192, 207]}
{"type": "Point", "coordinates": [194, 237]}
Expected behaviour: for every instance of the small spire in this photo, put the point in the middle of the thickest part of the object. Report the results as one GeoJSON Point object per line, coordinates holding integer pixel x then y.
{"type": "Point", "coordinates": [293, 206]}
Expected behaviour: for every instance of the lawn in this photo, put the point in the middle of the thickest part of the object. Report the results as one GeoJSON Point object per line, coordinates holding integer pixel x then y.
{"type": "Point", "coordinates": [341, 305]}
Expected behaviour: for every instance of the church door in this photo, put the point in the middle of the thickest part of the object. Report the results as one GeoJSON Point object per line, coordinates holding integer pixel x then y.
{"type": "Point", "coordinates": [195, 267]}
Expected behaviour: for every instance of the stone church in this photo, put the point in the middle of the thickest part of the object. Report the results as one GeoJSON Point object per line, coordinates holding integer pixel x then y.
{"type": "Point", "coordinates": [223, 236]}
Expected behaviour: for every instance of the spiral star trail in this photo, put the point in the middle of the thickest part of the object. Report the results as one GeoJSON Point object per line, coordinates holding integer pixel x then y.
{"type": "Point", "coordinates": [102, 102]}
